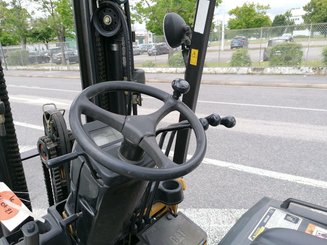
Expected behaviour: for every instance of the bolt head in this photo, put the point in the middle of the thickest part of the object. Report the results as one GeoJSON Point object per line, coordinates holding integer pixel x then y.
{"type": "Point", "coordinates": [107, 20]}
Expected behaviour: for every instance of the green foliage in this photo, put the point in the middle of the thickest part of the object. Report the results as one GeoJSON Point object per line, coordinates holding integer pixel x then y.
{"type": "Point", "coordinates": [42, 31]}
{"type": "Point", "coordinates": [176, 60]}
{"type": "Point", "coordinates": [7, 39]}
{"type": "Point", "coordinates": [249, 16]}
{"type": "Point", "coordinates": [152, 13]}
{"type": "Point", "coordinates": [240, 58]}
{"type": "Point", "coordinates": [14, 21]}
{"type": "Point", "coordinates": [60, 17]}
{"type": "Point", "coordinates": [316, 11]}
{"type": "Point", "coordinates": [286, 54]}
{"type": "Point", "coordinates": [283, 20]}
{"type": "Point", "coordinates": [149, 63]}
{"type": "Point", "coordinates": [324, 54]}
{"type": "Point", "coordinates": [18, 58]}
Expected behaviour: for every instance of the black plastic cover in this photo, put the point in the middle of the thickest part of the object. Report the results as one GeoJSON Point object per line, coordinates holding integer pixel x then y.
{"type": "Point", "coordinates": [172, 230]}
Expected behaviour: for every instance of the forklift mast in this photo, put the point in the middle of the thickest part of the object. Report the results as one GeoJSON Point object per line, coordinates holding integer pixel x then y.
{"type": "Point", "coordinates": [104, 39]}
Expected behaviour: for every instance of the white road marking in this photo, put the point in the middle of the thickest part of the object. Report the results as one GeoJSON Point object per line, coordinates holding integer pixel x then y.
{"type": "Point", "coordinates": [239, 167]}
{"type": "Point", "coordinates": [297, 131]}
{"type": "Point", "coordinates": [36, 100]}
{"type": "Point", "coordinates": [255, 105]}
{"type": "Point", "coordinates": [28, 125]}
{"type": "Point", "coordinates": [26, 148]}
{"type": "Point", "coordinates": [215, 222]}
{"type": "Point", "coordinates": [40, 88]}
{"type": "Point", "coordinates": [303, 132]}
{"type": "Point", "coordinates": [264, 106]}
{"type": "Point", "coordinates": [267, 173]}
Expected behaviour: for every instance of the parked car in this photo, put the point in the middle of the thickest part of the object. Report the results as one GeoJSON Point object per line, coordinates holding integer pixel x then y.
{"type": "Point", "coordinates": [273, 42]}
{"type": "Point", "coordinates": [288, 36]}
{"type": "Point", "coordinates": [71, 56]}
{"type": "Point", "coordinates": [38, 57]}
{"type": "Point", "coordinates": [239, 42]}
{"type": "Point", "coordinates": [136, 50]}
{"type": "Point", "coordinates": [145, 47]}
{"type": "Point", "coordinates": [158, 49]}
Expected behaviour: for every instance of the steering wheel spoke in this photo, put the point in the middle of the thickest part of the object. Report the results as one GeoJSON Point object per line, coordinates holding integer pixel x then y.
{"type": "Point", "coordinates": [114, 120]}
{"type": "Point", "coordinates": [152, 148]}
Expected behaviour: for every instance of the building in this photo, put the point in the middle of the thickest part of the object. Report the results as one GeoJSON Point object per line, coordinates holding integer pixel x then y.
{"type": "Point", "coordinates": [297, 15]}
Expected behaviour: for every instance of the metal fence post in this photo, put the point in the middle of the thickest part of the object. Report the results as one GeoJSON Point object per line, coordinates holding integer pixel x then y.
{"type": "Point", "coordinates": [309, 40]}
{"type": "Point", "coordinates": [223, 34]}
{"type": "Point", "coordinates": [261, 31]}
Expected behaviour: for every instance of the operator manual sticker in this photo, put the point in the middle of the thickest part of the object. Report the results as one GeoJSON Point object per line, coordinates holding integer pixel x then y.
{"type": "Point", "coordinates": [276, 218]}
{"type": "Point", "coordinates": [12, 211]}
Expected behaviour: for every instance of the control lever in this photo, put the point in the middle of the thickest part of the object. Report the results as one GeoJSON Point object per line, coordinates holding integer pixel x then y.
{"type": "Point", "coordinates": [215, 120]}
{"type": "Point", "coordinates": [180, 87]}
{"type": "Point", "coordinates": [228, 122]}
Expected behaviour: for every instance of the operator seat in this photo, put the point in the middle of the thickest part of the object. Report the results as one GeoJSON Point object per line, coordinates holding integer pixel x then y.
{"type": "Point", "coordinates": [283, 236]}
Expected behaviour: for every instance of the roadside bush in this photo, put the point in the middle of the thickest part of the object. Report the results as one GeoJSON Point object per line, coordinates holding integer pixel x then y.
{"type": "Point", "coordinates": [240, 58]}
{"type": "Point", "coordinates": [18, 58]}
{"type": "Point", "coordinates": [286, 54]}
{"type": "Point", "coordinates": [148, 63]}
{"type": "Point", "coordinates": [324, 54]}
{"type": "Point", "coordinates": [176, 60]}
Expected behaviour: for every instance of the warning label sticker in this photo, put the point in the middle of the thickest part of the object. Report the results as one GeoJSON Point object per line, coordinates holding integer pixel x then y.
{"type": "Point", "coordinates": [316, 231]}
{"type": "Point", "coordinates": [276, 218]}
{"type": "Point", "coordinates": [12, 211]}
{"type": "Point", "coordinates": [7, 211]}
{"type": "Point", "coordinates": [194, 57]}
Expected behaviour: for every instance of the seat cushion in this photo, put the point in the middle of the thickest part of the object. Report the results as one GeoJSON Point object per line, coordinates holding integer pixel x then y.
{"type": "Point", "coordinates": [282, 236]}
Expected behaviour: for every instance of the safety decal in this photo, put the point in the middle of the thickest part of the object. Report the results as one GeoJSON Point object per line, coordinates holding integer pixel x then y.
{"type": "Point", "coordinates": [316, 231]}
{"type": "Point", "coordinates": [12, 211]}
{"type": "Point", "coordinates": [194, 57]}
{"type": "Point", "coordinates": [275, 218]}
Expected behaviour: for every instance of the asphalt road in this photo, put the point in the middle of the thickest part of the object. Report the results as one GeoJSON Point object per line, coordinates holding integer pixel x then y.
{"type": "Point", "coordinates": [277, 149]}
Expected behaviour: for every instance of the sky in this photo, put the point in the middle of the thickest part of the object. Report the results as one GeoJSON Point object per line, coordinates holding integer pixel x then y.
{"type": "Point", "coordinates": [276, 6]}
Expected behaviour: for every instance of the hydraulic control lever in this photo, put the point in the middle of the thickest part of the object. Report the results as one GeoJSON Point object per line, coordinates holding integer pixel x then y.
{"type": "Point", "coordinates": [211, 120]}
{"type": "Point", "coordinates": [215, 120]}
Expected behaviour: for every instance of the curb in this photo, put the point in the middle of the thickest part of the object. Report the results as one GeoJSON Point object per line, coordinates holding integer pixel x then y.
{"type": "Point", "coordinates": [217, 70]}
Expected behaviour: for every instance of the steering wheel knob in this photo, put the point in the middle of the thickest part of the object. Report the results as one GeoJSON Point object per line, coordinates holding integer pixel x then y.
{"type": "Point", "coordinates": [180, 87]}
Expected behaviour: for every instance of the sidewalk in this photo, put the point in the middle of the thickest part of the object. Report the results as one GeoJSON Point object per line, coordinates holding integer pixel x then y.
{"type": "Point", "coordinates": [296, 81]}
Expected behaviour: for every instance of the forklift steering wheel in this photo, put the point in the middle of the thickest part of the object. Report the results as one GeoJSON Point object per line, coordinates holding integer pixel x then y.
{"type": "Point", "coordinates": [139, 130]}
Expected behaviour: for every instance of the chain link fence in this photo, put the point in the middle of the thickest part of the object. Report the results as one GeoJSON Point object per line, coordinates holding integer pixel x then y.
{"type": "Point", "coordinates": [51, 54]}
{"type": "Point", "coordinates": [311, 39]}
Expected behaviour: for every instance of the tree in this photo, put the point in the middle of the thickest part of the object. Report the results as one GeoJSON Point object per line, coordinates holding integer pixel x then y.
{"type": "Point", "coordinates": [283, 20]}
{"type": "Point", "coordinates": [152, 12]}
{"type": "Point", "coordinates": [60, 16]}
{"type": "Point", "coordinates": [14, 21]}
{"type": "Point", "coordinates": [249, 16]}
{"type": "Point", "coordinates": [42, 31]}
{"type": "Point", "coordinates": [316, 12]}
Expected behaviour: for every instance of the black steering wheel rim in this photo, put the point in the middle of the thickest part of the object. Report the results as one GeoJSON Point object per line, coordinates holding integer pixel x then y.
{"type": "Point", "coordinates": [126, 125]}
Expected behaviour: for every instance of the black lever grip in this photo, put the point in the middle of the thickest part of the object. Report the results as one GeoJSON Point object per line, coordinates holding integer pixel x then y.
{"type": "Point", "coordinates": [213, 119]}
{"type": "Point", "coordinates": [228, 121]}
{"type": "Point", "coordinates": [180, 87]}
